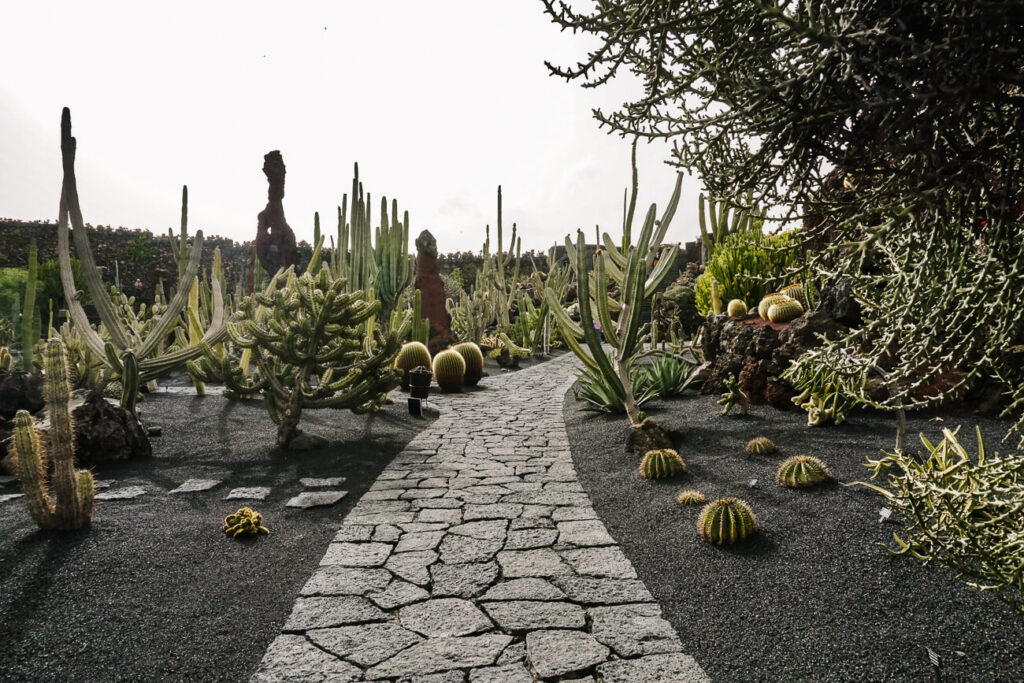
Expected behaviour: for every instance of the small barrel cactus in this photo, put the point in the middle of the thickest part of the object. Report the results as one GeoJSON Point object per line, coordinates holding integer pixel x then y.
{"type": "Point", "coordinates": [245, 522]}
{"type": "Point", "coordinates": [5, 358]}
{"type": "Point", "coordinates": [801, 471]}
{"type": "Point", "coordinates": [412, 355]}
{"type": "Point", "coordinates": [474, 358]}
{"type": "Point", "coordinates": [784, 311]}
{"type": "Point", "coordinates": [691, 497]}
{"type": "Point", "coordinates": [768, 300]}
{"type": "Point", "coordinates": [760, 445]}
{"type": "Point", "coordinates": [794, 291]}
{"type": "Point", "coordinates": [726, 521]}
{"type": "Point", "coordinates": [661, 463]}
{"type": "Point", "coordinates": [449, 370]}
{"type": "Point", "coordinates": [737, 308]}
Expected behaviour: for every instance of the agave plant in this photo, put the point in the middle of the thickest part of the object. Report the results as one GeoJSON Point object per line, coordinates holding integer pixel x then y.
{"type": "Point", "coordinates": [597, 394]}
{"type": "Point", "coordinates": [669, 376]}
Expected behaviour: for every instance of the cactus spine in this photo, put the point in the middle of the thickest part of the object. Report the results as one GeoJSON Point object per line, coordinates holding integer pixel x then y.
{"type": "Point", "coordinates": [802, 471]}
{"type": "Point", "coordinates": [474, 358]}
{"type": "Point", "coordinates": [449, 370]}
{"type": "Point", "coordinates": [760, 445]}
{"type": "Point", "coordinates": [737, 308]}
{"type": "Point", "coordinates": [661, 464]}
{"type": "Point", "coordinates": [71, 504]}
{"type": "Point", "coordinates": [6, 360]}
{"type": "Point", "coordinates": [726, 521]}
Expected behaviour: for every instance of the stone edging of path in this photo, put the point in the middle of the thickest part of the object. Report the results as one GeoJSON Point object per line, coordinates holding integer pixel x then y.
{"type": "Point", "coordinates": [476, 555]}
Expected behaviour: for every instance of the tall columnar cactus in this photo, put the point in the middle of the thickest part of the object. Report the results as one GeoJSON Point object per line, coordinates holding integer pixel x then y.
{"type": "Point", "coordinates": [394, 265]}
{"type": "Point", "coordinates": [726, 521]}
{"type": "Point", "coordinates": [495, 265]}
{"type": "Point", "coordinates": [30, 314]}
{"type": "Point", "coordinates": [132, 353]}
{"type": "Point", "coordinates": [420, 325]}
{"type": "Point", "coordinates": [744, 217]}
{"type": "Point", "coordinates": [65, 502]}
{"type": "Point", "coordinates": [180, 248]}
{"type": "Point", "coordinates": [638, 270]}
{"type": "Point", "coordinates": [6, 360]}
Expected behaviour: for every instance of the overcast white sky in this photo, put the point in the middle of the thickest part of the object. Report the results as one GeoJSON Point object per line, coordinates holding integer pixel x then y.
{"type": "Point", "coordinates": [439, 102]}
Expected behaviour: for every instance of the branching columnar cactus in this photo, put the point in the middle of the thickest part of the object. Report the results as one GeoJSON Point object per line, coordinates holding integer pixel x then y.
{"type": "Point", "coordinates": [494, 267]}
{"type": "Point", "coordinates": [768, 300]}
{"type": "Point", "coordinates": [718, 216]}
{"type": "Point", "coordinates": [801, 471]}
{"type": "Point", "coordinates": [760, 445]}
{"type": "Point", "coordinates": [6, 360]}
{"type": "Point", "coordinates": [661, 464]}
{"type": "Point", "coordinates": [784, 311]}
{"type": "Point", "coordinates": [474, 358]}
{"type": "Point", "coordinates": [691, 497]}
{"type": "Point", "coordinates": [245, 522]}
{"type": "Point", "coordinates": [131, 353]}
{"type": "Point", "coordinates": [734, 396]}
{"type": "Point", "coordinates": [450, 370]}
{"type": "Point", "coordinates": [420, 325]}
{"type": "Point", "coordinates": [71, 504]}
{"type": "Point", "coordinates": [412, 355]}
{"type": "Point", "coordinates": [726, 521]}
{"type": "Point", "coordinates": [309, 351]}
{"type": "Point", "coordinates": [737, 308]}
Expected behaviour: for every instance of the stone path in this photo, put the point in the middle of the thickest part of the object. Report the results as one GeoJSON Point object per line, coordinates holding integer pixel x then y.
{"type": "Point", "coordinates": [476, 556]}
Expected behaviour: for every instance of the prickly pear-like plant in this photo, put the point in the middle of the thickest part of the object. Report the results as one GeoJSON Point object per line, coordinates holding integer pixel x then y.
{"type": "Point", "coordinates": [737, 308]}
{"type": "Point", "coordinates": [784, 311]}
{"type": "Point", "coordinates": [450, 370]}
{"type": "Point", "coordinates": [71, 504]}
{"type": "Point", "coordinates": [412, 355]}
{"type": "Point", "coordinates": [691, 497]}
{"type": "Point", "coordinates": [768, 300]}
{"type": "Point", "coordinates": [474, 358]}
{"type": "Point", "coordinates": [726, 521]}
{"type": "Point", "coordinates": [245, 522]}
{"type": "Point", "coordinates": [661, 464]}
{"type": "Point", "coordinates": [760, 445]}
{"type": "Point", "coordinates": [801, 471]}
{"type": "Point", "coordinates": [5, 358]}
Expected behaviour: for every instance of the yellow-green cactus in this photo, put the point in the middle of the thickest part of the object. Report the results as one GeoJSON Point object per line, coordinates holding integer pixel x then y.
{"type": "Point", "coordinates": [802, 471]}
{"type": "Point", "coordinates": [661, 464]}
{"type": "Point", "coordinates": [412, 355]}
{"type": "Point", "coordinates": [245, 522]}
{"type": "Point", "coordinates": [691, 497]}
{"type": "Point", "coordinates": [768, 300]}
{"type": "Point", "coordinates": [726, 521]}
{"type": "Point", "coordinates": [737, 308]}
{"type": "Point", "coordinates": [760, 445]}
{"type": "Point", "coordinates": [474, 358]}
{"type": "Point", "coordinates": [784, 311]}
{"type": "Point", "coordinates": [449, 370]}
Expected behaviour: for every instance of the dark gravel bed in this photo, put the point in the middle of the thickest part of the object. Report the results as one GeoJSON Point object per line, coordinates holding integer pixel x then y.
{"type": "Point", "coordinates": [812, 596]}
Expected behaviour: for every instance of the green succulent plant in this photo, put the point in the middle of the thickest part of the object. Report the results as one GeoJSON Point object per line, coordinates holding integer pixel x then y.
{"type": "Point", "coordinates": [474, 358]}
{"type": "Point", "coordinates": [733, 396]}
{"type": "Point", "coordinates": [661, 464]}
{"type": "Point", "coordinates": [784, 311]}
{"type": "Point", "coordinates": [691, 497]}
{"type": "Point", "coordinates": [726, 521]}
{"type": "Point", "coordinates": [245, 522]}
{"type": "Point", "coordinates": [760, 445]}
{"type": "Point", "coordinates": [801, 471]}
{"type": "Point", "coordinates": [450, 370]}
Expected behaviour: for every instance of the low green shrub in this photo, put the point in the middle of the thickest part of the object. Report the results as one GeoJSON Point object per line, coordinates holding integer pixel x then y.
{"type": "Point", "coordinates": [747, 266]}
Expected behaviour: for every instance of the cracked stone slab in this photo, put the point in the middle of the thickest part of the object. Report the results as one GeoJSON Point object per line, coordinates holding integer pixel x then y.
{"type": "Point", "coordinates": [195, 485]}
{"type": "Point", "coordinates": [248, 493]}
{"type": "Point", "coordinates": [293, 658]}
{"type": "Point", "coordinates": [634, 630]}
{"type": "Point", "coordinates": [669, 667]}
{"type": "Point", "coordinates": [589, 532]}
{"type": "Point", "coordinates": [124, 493]}
{"type": "Point", "coordinates": [311, 613]}
{"type": "Point", "coordinates": [311, 499]}
{"type": "Point", "coordinates": [526, 539]}
{"type": "Point", "coordinates": [436, 655]}
{"type": "Point", "coordinates": [101, 484]}
{"type": "Point", "coordinates": [356, 554]}
{"type": "Point", "coordinates": [413, 567]}
{"type": "Point", "coordinates": [524, 589]}
{"type": "Point", "coordinates": [340, 580]}
{"type": "Point", "coordinates": [484, 529]}
{"type": "Point", "coordinates": [444, 617]}
{"type": "Point", "coordinates": [517, 616]}
{"type": "Point", "coordinates": [558, 653]}
{"type": "Point", "coordinates": [525, 563]}
{"type": "Point", "coordinates": [353, 533]}
{"type": "Point", "coordinates": [509, 673]}
{"type": "Point", "coordinates": [598, 591]}
{"type": "Point", "coordinates": [323, 483]}
{"type": "Point", "coordinates": [419, 541]}
{"type": "Point", "coordinates": [460, 549]}
{"type": "Point", "coordinates": [398, 594]}
{"type": "Point", "coordinates": [366, 644]}
{"type": "Point", "coordinates": [462, 580]}
{"type": "Point", "coordinates": [608, 561]}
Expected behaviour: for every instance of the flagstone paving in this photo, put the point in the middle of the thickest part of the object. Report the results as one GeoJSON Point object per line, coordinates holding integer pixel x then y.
{"type": "Point", "coordinates": [477, 556]}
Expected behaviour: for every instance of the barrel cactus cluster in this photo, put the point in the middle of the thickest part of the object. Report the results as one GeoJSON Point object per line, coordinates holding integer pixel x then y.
{"type": "Point", "coordinates": [802, 471]}
{"type": "Point", "coordinates": [784, 305]}
{"type": "Point", "coordinates": [474, 359]}
{"type": "Point", "coordinates": [450, 370]}
{"type": "Point", "coordinates": [245, 522]}
{"type": "Point", "coordinates": [726, 521]}
{"type": "Point", "coordinates": [661, 464]}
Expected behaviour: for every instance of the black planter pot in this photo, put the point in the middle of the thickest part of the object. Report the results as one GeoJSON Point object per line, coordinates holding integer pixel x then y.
{"type": "Point", "coordinates": [419, 382]}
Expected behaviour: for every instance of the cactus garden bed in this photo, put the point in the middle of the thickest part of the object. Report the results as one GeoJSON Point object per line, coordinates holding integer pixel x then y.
{"type": "Point", "coordinates": [811, 596]}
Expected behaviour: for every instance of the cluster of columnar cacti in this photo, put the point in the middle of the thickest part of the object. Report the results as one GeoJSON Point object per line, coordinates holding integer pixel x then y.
{"type": "Point", "coordinates": [691, 497]}
{"type": "Point", "coordinates": [244, 522]}
{"type": "Point", "coordinates": [760, 445]}
{"type": "Point", "coordinates": [744, 217]}
{"type": "Point", "coordinates": [474, 359]}
{"type": "Point", "coordinates": [737, 308]}
{"type": "Point", "coordinates": [65, 502]}
{"type": "Point", "coordinates": [726, 521]}
{"type": "Point", "coordinates": [420, 325]}
{"type": "Point", "coordinates": [412, 355]}
{"type": "Point", "coordinates": [494, 267]}
{"type": "Point", "coordinates": [661, 463]}
{"type": "Point", "coordinates": [6, 360]}
{"type": "Point", "coordinates": [801, 471]}
{"type": "Point", "coordinates": [450, 370]}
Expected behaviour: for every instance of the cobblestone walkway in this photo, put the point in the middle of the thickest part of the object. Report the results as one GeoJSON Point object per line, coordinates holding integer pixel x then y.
{"type": "Point", "coordinates": [476, 556]}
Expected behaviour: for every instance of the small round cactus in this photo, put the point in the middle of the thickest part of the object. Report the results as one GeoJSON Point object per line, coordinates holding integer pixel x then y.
{"type": "Point", "coordinates": [760, 445]}
{"type": "Point", "coordinates": [245, 522]}
{"type": "Point", "coordinates": [768, 300]}
{"type": "Point", "coordinates": [726, 521]}
{"type": "Point", "coordinates": [794, 291]}
{"type": "Point", "coordinates": [411, 355]}
{"type": "Point", "coordinates": [661, 463]}
{"type": "Point", "coordinates": [449, 370]}
{"type": "Point", "coordinates": [737, 308]}
{"type": "Point", "coordinates": [474, 358]}
{"type": "Point", "coordinates": [691, 497]}
{"type": "Point", "coordinates": [801, 471]}
{"type": "Point", "coordinates": [784, 311]}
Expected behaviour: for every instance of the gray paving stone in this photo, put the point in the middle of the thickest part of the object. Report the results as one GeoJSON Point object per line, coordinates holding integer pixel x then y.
{"type": "Point", "coordinates": [462, 580]}
{"type": "Point", "coordinates": [420, 541]}
{"type": "Point", "coordinates": [294, 659]}
{"type": "Point", "coordinates": [588, 532]}
{"type": "Point", "coordinates": [516, 652]}
{"type": "Point", "coordinates": [460, 549]}
{"type": "Point", "coordinates": [309, 499]}
{"type": "Point", "coordinates": [524, 589]}
{"type": "Point", "coordinates": [524, 563]}
{"type": "Point", "coordinates": [97, 484]}
{"type": "Point", "coordinates": [123, 493]}
{"type": "Point", "coordinates": [597, 591]}
{"type": "Point", "coordinates": [386, 533]}
{"type": "Point", "coordinates": [516, 616]}
{"type": "Point", "coordinates": [669, 668]}
{"type": "Point", "coordinates": [339, 580]}
{"type": "Point", "coordinates": [634, 630]}
{"type": "Point", "coordinates": [452, 516]}
{"type": "Point", "coordinates": [525, 539]}
{"type": "Point", "coordinates": [444, 617]}
{"type": "Point", "coordinates": [365, 644]}
{"type": "Point", "coordinates": [353, 533]}
{"type": "Point", "coordinates": [509, 673]}
{"type": "Point", "coordinates": [496, 511]}
{"type": "Point", "coordinates": [398, 594]}
{"type": "Point", "coordinates": [609, 562]}
{"type": "Point", "coordinates": [195, 485]}
{"type": "Point", "coordinates": [394, 517]}
{"type": "Point", "coordinates": [567, 514]}
{"type": "Point", "coordinates": [334, 611]}
{"type": "Point", "coordinates": [435, 655]}
{"type": "Point", "coordinates": [484, 529]}
{"type": "Point", "coordinates": [323, 483]}
{"type": "Point", "coordinates": [420, 527]}
{"type": "Point", "coordinates": [557, 653]}
{"type": "Point", "coordinates": [248, 493]}
{"type": "Point", "coordinates": [356, 554]}
{"type": "Point", "coordinates": [413, 567]}
{"type": "Point", "coordinates": [454, 676]}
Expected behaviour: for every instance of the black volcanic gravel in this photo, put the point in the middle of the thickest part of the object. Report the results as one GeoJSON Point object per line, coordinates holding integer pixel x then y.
{"type": "Point", "coordinates": [812, 596]}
